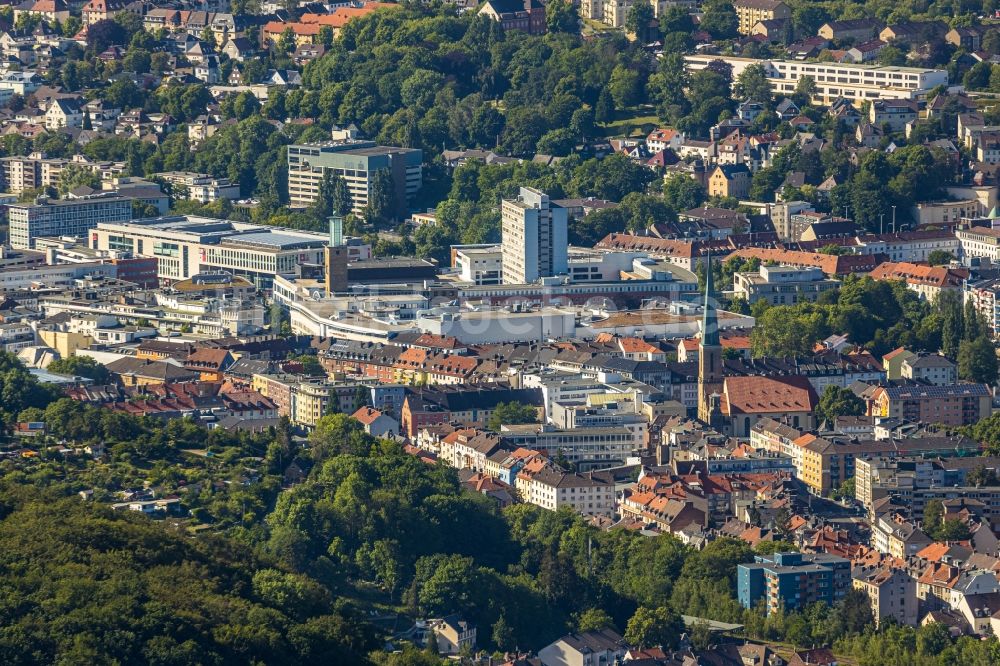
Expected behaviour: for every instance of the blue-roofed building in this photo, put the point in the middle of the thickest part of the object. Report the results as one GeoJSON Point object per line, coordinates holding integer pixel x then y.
{"type": "Point", "coordinates": [792, 580]}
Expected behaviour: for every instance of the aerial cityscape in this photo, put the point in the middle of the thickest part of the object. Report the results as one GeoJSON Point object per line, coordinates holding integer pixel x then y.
{"type": "Point", "coordinates": [509, 333]}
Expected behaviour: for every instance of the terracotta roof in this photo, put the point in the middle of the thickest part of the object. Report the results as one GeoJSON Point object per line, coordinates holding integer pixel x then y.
{"type": "Point", "coordinates": [636, 345]}
{"type": "Point", "coordinates": [920, 274]}
{"type": "Point", "coordinates": [761, 395]}
{"type": "Point", "coordinates": [366, 415]}
{"type": "Point", "coordinates": [208, 358]}
{"type": "Point", "coordinates": [895, 352]}
{"type": "Point", "coordinates": [828, 263]}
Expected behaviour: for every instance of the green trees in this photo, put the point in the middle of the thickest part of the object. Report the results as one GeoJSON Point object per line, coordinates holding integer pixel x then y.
{"type": "Point", "coordinates": [104, 33]}
{"type": "Point", "coordinates": [837, 401]}
{"type": "Point", "coordinates": [878, 315]}
{"type": "Point", "coordinates": [197, 601]}
{"type": "Point", "coordinates": [625, 86]}
{"type": "Point", "coordinates": [719, 19]}
{"type": "Point", "coordinates": [382, 205]}
{"type": "Point", "coordinates": [939, 528]}
{"type": "Point", "coordinates": [561, 16]}
{"type": "Point", "coordinates": [333, 198]}
{"type": "Point", "coordinates": [986, 431]}
{"type": "Point", "coordinates": [977, 360]}
{"type": "Point", "coordinates": [75, 175]}
{"type": "Point", "coordinates": [638, 18]}
{"type": "Point", "coordinates": [682, 193]}
{"type": "Point", "coordinates": [81, 366]}
{"type": "Point", "coordinates": [709, 96]}
{"type": "Point", "coordinates": [593, 619]}
{"type": "Point", "coordinates": [752, 85]}
{"type": "Point", "coordinates": [654, 627]}
{"type": "Point", "coordinates": [511, 413]}
{"type": "Point", "coordinates": [18, 389]}
{"type": "Point", "coordinates": [939, 257]}
{"type": "Point", "coordinates": [980, 476]}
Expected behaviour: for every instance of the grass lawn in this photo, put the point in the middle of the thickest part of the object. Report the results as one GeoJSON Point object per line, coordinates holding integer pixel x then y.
{"type": "Point", "coordinates": [590, 26]}
{"type": "Point", "coordinates": [637, 125]}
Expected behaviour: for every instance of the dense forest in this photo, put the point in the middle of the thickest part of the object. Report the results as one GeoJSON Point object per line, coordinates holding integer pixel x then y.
{"type": "Point", "coordinates": [292, 575]}
{"type": "Point", "coordinates": [421, 76]}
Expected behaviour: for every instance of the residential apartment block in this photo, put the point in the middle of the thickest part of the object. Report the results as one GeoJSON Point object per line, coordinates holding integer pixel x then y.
{"type": "Point", "coordinates": [550, 488]}
{"type": "Point", "coordinates": [357, 162]}
{"type": "Point", "coordinates": [534, 238]}
{"type": "Point", "coordinates": [201, 187]}
{"type": "Point", "coordinates": [792, 581]}
{"type": "Point", "coordinates": [892, 593]}
{"type": "Point", "coordinates": [68, 217]}
{"type": "Point", "coordinates": [751, 12]}
{"type": "Point", "coordinates": [954, 405]}
{"type": "Point", "coordinates": [782, 285]}
{"type": "Point", "coordinates": [591, 447]}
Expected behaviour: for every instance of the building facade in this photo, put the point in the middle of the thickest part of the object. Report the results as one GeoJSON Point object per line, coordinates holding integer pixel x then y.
{"type": "Point", "coordinates": [356, 162]}
{"type": "Point", "coordinates": [535, 238]}
{"type": "Point", "coordinates": [857, 83]}
{"type": "Point", "coordinates": [792, 581]}
{"type": "Point", "coordinates": [185, 246]}
{"type": "Point", "coordinates": [71, 217]}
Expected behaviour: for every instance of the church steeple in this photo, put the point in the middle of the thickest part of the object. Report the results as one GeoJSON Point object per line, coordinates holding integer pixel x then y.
{"type": "Point", "coordinates": [709, 319]}
{"type": "Point", "coordinates": [709, 354]}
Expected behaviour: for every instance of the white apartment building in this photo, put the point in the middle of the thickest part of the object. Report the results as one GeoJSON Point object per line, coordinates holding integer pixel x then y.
{"type": "Point", "coordinates": [202, 187]}
{"type": "Point", "coordinates": [980, 242]}
{"type": "Point", "coordinates": [479, 264]}
{"type": "Point", "coordinates": [68, 217]}
{"type": "Point", "coordinates": [835, 80]}
{"type": "Point", "coordinates": [983, 295]}
{"type": "Point", "coordinates": [55, 275]}
{"type": "Point", "coordinates": [782, 285]}
{"type": "Point", "coordinates": [911, 246]}
{"type": "Point", "coordinates": [944, 212]}
{"type": "Point", "coordinates": [553, 489]}
{"type": "Point", "coordinates": [15, 336]}
{"type": "Point", "coordinates": [357, 162]}
{"type": "Point", "coordinates": [535, 240]}
{"type": "Point", "coordinates": [588, 447]}
{"type": "Point", "coordinates": [188, 245]}
{"type": "Point", "coordinates": [22, 83]}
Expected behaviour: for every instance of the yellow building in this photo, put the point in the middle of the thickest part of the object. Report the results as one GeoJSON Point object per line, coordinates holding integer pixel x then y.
{"type": "Point", "coordinates": [65, 342]}
{"type": "Point", "coordinates": [729, 180]}
{"type": "Point", "coordinates": [751, 12]}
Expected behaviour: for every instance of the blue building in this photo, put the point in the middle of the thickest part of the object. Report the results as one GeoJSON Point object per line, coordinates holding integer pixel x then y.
{"type": "Point", "coordinates": [793, 580]}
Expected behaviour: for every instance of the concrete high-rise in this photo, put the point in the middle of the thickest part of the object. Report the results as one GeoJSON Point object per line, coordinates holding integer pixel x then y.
{"type": "Point", "coordinates": [356, 161]}
{"type": "Point", "coordinates": [534, 238]}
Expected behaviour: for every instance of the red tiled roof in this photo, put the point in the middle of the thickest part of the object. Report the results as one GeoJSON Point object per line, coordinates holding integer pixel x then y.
{"type": "Point", "coordinates": [366, 415]}
{"type": "Point", "coordinates": [762, 395]}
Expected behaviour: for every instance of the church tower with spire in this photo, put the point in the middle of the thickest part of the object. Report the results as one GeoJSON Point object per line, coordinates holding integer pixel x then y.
{"type": "Point", "coordinates": [709, 354]}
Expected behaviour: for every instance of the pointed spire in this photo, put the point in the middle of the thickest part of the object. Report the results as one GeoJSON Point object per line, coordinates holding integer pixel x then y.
{"type": "Point", "coordinates": [710, 319]}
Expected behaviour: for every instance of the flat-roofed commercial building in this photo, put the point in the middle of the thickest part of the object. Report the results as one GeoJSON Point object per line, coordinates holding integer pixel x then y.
{"type": "Point", "coordinates": [69, 217]}
{"type": "Point", "coordinates": [357, 162]}
{"type": "Point", "coordinates": [834, 80]}
{"type": "Point", "coordinates": [185, 246]}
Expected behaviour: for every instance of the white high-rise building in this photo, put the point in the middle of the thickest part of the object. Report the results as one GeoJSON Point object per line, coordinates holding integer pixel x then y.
{"type": "Point", "coordinates": [534, 238]}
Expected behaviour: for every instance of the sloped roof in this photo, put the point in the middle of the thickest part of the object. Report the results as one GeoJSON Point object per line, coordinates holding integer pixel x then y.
{"type": "Point", "coordinates": [760, 395]}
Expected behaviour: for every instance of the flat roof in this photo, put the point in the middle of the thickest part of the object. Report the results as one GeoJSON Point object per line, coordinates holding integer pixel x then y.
{"type": "Point", "coordinates": [208, 229]}
{"type": "Point", "coordinates": [72, 202]}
